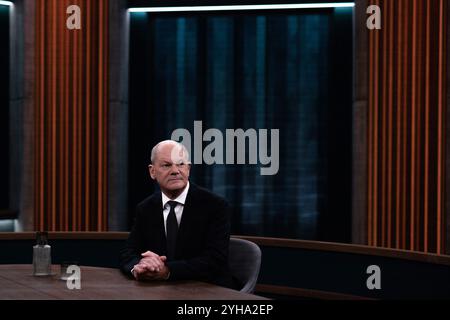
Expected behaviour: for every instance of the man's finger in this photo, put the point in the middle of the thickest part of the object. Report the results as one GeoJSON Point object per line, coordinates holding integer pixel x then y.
{"type": "Point", "coordinates": [156, 262]}
{"type": "Point", "coordinates": [148, 275]}
{"type": "Point", "coordinates": [137, 270]}
{"type": "Point", "coordinates": [149, 265]}
{"type": "Point", "coordinates": [149, 254]}
{"type": "Point", "coordinates": [138, 267]}
{"type": "Point", "coordinates": [153, 258]}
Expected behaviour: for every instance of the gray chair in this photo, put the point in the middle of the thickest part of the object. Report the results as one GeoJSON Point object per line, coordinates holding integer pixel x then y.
{"type": "Point", "coordinates": [244, 260]}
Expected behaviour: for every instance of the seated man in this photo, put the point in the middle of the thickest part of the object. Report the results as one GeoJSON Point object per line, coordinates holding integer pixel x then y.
{"type": "Point", "coordinates": [181, 232]}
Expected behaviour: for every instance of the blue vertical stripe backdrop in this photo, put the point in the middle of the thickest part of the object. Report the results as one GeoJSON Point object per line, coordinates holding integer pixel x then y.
{"type": "Point", "coordinates": [263, 71]}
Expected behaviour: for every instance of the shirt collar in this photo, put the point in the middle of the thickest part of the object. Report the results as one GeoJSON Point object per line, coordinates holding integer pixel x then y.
{"type": "Point", "coordinates": [180, 199]}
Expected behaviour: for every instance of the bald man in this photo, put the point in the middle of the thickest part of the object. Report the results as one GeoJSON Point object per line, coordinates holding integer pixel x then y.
{"type": "Point", "coordinates": [181, 232]}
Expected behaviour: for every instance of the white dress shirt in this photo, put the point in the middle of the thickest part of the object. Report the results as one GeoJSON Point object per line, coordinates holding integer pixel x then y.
{"type": "Point", "coordinates": [181, 199]}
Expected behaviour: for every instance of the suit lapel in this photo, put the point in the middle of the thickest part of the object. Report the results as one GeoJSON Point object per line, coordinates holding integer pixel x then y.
{"type": "Point", "coordinates": [186, 219]}
{"type": "Point", "coordinates": [157, 223]}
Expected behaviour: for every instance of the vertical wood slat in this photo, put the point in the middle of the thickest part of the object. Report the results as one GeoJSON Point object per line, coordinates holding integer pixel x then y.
{"type": "Point", "coordinates": [53, 124]}
{"type": "Point", "coordinates": [75, 67]}
{"type": "Point", "coordinates": [375, 137]}
{"type": "Point", "coordinates": [413, 122]}
{"type": "Point", "coordinates": [370, 143]}
{"type": "Point", "coordinates": [398, 122]}
{"type": "Point", "coordinates": [404, 119]}
{"type": "Point", "coordinates": [87, 159]}
{"type": "Point", "coordinates": [70, 127]}
{"type": "Point", "coordinates": [370, 198]}
{"type": "Point", "coordinates": [427, 127]}
{"type": "Point", "coordinates": [441, 93]}
{"type": "Point", "coordinates": [390, 127]}
{"type": "Point", "coordinates": [406, 126]}
{"type": "Point", "coordinates": [80, 55]}
{"type": "Point", "coordinates": [383, 107]}
{"type": "Point", "coordinates": [67, 111]}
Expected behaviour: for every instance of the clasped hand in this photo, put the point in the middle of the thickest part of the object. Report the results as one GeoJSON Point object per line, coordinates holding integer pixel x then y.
{"type": "Point", "coordinates": [151, 267]}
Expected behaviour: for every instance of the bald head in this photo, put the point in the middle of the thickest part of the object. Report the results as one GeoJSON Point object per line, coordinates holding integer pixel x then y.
{"type": "Point", "coordinates": [177, 150]}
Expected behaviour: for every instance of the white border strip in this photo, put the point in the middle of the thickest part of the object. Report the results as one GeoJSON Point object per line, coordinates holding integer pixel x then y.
{"type": "Point", "coordinates": [245, 7]}
{"type": "Point", "coordinates": [6, 3]}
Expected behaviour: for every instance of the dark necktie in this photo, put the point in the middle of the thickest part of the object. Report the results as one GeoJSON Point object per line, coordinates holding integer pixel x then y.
{"type": "Point", "coordinates": [171, 230]}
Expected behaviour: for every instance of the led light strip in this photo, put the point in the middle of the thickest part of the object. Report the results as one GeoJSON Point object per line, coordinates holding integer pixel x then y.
{"type": "Point", "coordinates": [6, 3]}
{"type": "Point", "coordinates": [245, 7]}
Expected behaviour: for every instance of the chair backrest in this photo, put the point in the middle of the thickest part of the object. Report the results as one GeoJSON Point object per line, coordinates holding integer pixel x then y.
{"type": "Point", "coordinates": [244, 260]}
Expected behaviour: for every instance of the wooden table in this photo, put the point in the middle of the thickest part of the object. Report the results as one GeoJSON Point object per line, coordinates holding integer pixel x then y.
{"type": "Point", "coordinates": [18, 283]}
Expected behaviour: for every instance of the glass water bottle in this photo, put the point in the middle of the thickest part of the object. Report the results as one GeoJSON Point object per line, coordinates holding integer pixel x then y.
{"type": "Point", "coordinates": [42, 259]}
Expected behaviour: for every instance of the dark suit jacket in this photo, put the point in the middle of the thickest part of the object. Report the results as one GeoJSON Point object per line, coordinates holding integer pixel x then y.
{"type": "Point", "coordinates": [202, 239]}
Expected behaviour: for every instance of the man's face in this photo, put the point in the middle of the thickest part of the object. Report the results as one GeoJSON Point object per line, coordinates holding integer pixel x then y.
{"type": "Point", "coordinates": [170, 169]}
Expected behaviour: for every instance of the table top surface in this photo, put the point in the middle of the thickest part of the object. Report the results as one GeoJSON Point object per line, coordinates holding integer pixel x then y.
{"type": "Point", "coordinates": [17, 282]}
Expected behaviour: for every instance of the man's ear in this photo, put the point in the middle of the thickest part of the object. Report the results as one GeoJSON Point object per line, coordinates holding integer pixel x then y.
{"type": "Point", "coordinates": [189, 169]}
{"type": "Point", "coordinates": [151, 171]}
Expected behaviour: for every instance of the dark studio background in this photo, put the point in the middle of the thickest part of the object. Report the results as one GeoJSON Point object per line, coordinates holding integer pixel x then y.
{"type": "Point", "coordinates": [4, 109]}
{"type": "Point", "coordinates": [286, 70]}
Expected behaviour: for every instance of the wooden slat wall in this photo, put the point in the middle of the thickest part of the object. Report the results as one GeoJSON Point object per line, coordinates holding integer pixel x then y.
{"type": "Point", "coordinates": [71, 117]}
{"type": "Point", "coordinates": [406, 126]}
